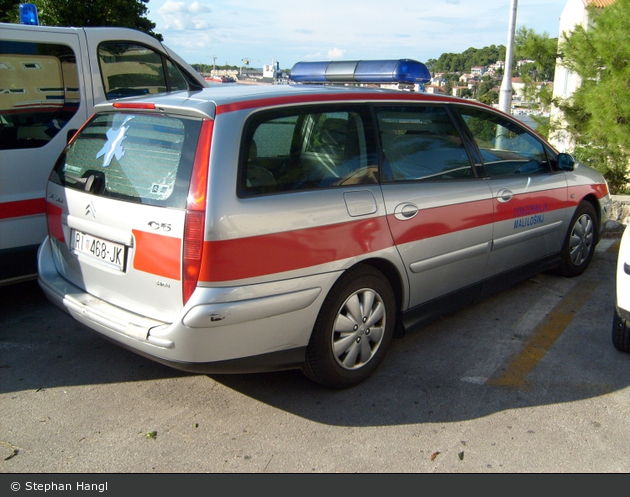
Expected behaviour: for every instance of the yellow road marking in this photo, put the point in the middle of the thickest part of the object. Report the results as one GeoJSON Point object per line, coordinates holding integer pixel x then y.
{"type": "Point", "coordinates": [544, 336]}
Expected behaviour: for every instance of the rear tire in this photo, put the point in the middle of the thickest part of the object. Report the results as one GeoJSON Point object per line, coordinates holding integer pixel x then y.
{"type": "Point", "coordinates": [620, 332]}
{"type": "Point", "coordinates": [579, 244]}
{"type": "Point", "coordinates": [353, 330]}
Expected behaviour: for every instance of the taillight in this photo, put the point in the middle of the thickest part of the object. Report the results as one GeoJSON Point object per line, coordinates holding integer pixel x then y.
{"type": "Point", "coordinates": [196, 212]}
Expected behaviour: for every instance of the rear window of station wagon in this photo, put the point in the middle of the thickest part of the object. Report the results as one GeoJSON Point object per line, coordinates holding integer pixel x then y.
{"type": "Point", "coordinates": [138, 158]}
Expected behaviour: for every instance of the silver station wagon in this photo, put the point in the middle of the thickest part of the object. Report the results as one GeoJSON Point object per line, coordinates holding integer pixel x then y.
{"type": "Point", "coordinates": [251, 228]}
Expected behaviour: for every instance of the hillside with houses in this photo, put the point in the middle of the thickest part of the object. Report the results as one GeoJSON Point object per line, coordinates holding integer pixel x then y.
{"type": "Point", "coordinates": [483, 83]}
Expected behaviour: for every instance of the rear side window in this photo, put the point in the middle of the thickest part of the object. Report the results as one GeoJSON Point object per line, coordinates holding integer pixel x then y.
{"type": "Point", "coordinates": [130, 69]}
{"type": "Point", "coordinates": [421, 143]}
{"type": "Point", "coordinates": [134, 157]}
{"type": "Point", "coordinates": [295, 149]}
{"type": "Point", "coordinates": [39, 92]}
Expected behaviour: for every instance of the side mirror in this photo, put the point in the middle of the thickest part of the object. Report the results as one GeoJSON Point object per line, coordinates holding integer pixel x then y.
{"type": "Point", "coordinates": [566, 162]}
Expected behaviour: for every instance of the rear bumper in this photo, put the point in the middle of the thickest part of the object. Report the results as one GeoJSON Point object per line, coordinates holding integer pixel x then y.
{"type": "Point", "coordinates": [264, 333]}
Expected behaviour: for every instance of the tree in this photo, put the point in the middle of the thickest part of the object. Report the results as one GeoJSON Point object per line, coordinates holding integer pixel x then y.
{"type": "Point", "coordinates": [82, 13]}
{"type": "Point", "coordinates": [490, 97]}
{"type": "Point", "coordinates": [486, 91]}
{"type": "Point", "coordinates": [451, 62]}
{"type": "Point", "coordinates": [598, 113]}
{"type": "Point", "coordinates": [9, 11]}
{"type": "Point", "coordinates": [537, 47]}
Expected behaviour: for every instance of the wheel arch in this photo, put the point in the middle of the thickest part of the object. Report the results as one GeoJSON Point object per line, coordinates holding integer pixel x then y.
{"type": "Point", "coordinates": [396, 281]}
{"type": "Point", "coordinates": [592, 199]}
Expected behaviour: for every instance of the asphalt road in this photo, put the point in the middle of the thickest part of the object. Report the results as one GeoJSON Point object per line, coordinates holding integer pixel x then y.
{"type": "Point", "coordinates": [525, 381]}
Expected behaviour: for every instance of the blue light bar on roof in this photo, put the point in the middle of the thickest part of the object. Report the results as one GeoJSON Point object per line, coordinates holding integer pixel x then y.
{"type": "Point", "coordinates": [361, 71]}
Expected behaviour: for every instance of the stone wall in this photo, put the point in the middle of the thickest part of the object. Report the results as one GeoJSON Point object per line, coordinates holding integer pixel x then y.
{"type": "Point", "coordinates": [620, 209]}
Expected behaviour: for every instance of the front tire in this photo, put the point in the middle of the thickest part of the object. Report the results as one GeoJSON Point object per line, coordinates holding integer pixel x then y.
{"type": "Point", "coordinates": [353, 330]}
{"type": "Point", "coordinates": [579, 244]}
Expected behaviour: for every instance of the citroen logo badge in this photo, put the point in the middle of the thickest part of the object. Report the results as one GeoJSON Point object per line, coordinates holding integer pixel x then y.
{"type": "Point", "coordinates": [90, 210]}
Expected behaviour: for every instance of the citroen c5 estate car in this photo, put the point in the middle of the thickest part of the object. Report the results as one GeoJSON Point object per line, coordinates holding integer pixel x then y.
{"type": "Point", "coordinates": [253, 228]}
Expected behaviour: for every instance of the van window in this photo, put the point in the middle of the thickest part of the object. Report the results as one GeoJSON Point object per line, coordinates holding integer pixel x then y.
{"type": "Point", "coordinates": [138, 158]}
{"type": "Point", "coordinates": [39, 92]}
{"type": "Point", "coordinates": [296, 149]}
{"type": "Point", "coordinates": [131, 69]}
{"type": "Point", "coordinates": [421, 143]}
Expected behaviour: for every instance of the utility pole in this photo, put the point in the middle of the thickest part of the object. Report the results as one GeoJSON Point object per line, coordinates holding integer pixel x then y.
{"type": "Point", "coordinates": [505, 94]}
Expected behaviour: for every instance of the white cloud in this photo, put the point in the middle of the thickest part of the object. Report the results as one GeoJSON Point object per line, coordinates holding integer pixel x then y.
{"type": "Point", "coordinates": [336, 53]}
{"type": "Point", "coordinates": [198, 8]}
{"type": "Point", "coordinates": [181, 16]}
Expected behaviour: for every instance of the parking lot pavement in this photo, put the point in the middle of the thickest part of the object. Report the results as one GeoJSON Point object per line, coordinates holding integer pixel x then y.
{"type": "Point", "coordinates": [525, 381]}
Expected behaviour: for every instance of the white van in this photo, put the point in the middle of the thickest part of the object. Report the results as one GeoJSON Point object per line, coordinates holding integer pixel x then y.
{"type": "Point", "coordinates": [50, 80]}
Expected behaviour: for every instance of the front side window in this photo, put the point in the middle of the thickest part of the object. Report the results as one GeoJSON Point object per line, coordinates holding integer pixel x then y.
{"type": "Point", "coordinates": [506, 148]}
{"type": "Point", "coordinates": [130, 69]}
{"type": "Point", "coordinates": [307, 148]}
{"type": "Point", "coordinates": [421, 143]}
{"type": "Point", "coordinates": [135, 157]}
{"type": "Point", "coordinates": [39, 92]}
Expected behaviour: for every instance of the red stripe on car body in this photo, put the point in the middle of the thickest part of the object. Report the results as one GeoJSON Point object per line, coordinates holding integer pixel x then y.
{"type": "Point", "coordinates": [436, 221]}
{"type": "Point", "coordinates": [241, 258]}
{"type": "Point", "coordinates": [226, 260]}
{"type": "Point", "coordinates": [577, 193]}
{"type": "Point", "coordinates": [525, 204]}
{"type": "Point", "coordinates": [157, 254]}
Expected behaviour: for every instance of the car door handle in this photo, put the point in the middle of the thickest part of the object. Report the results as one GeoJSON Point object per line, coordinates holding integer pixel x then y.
{"type": "Point", "coordinates": [504, 195]}
{"type": "Point", "coordinates": [406, 211]}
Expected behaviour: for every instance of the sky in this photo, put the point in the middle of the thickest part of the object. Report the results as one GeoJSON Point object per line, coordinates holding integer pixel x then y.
{"type": "Point", "coordinates": [289, 31]}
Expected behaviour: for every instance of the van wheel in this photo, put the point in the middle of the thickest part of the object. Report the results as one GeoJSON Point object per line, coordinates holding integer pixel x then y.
{"type": "Point", "coordinates": [353, 329]}
{"type": "Point", "coordinates": [579, 245]}
{"type": "Point", "coordinates": [620, 333]}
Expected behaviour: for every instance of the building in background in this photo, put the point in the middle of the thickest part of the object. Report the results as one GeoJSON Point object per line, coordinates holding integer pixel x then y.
{"type": "Point", "coordinates": [566, 82]}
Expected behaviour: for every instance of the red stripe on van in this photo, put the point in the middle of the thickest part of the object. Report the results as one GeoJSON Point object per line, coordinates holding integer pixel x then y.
{"type": "Point", "coordinates": [157, 254]}
{"type": "Point", "coordinates": [226, 260]}
{"type": "Point", "coordinates": [20, 208]}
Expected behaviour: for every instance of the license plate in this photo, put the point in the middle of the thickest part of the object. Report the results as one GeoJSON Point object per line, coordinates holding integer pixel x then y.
{"type": "Point", "coordinates": [111, 253]}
